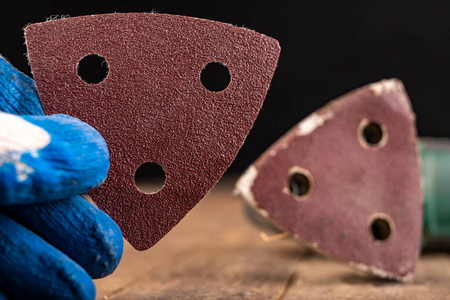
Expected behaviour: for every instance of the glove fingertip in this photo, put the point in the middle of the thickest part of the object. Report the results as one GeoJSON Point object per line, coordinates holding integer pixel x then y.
{"type": "Point", "coordinates": [55, 157]}
{"type": "Point", "coordinates": [77, 149]}
{"type": "Point", "coordinates": [77, 228]}
{"type": "Point", "coordinates": [109, 243]}
{"type": "Point", "coordinates": [81, 285]}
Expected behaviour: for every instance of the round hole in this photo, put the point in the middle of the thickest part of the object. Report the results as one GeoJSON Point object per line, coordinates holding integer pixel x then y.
{"type": "Point", "coordinates": [299, 184]}
{"type": "Point", "coordinates": [380, 229]}
{"type": "Point", "coordinates": [93, 68]}
{"type": "Point", "coordinates": [215, 76]}
{"type": "Point", "coordinates": [373, 133]}
{"type": "Point", "coordinates": [150, 178]}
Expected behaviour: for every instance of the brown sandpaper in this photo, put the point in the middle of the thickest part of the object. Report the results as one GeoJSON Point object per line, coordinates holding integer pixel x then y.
{"type": "Point", "coordinates": [152, 106]}
{"type": "Point", "coordinates": [352, 181]}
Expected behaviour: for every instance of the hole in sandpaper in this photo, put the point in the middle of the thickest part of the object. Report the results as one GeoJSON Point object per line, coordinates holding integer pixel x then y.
{"type": "Point", "coordinates": [149, 178]}
{"type": "Point", "coordinates": [373, 133]}
{"type": "Point", "coordinates": [380, 229]}
{"type": "Point", "coordinates": [299, 184]}
{"type": "Point", "coordinates": [93, 68]}
{"type": "Point", "coordinates": [215, 76]}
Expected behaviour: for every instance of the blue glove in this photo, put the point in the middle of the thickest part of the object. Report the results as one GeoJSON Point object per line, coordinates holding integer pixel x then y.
{"type": "Point", "coordinates": [52, 242]}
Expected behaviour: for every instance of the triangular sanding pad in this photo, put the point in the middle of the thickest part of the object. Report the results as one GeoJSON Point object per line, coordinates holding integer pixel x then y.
{"type": "Point", "coordinates": [347, 181]}
{"type": "Point", "coordinates": [154, 104]}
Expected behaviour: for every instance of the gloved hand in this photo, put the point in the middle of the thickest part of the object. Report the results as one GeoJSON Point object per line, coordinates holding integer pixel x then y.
{"type": "Point", "coordinates": [52, 241]}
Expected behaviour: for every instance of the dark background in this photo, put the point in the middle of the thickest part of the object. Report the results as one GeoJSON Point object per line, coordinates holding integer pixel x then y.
{"type": "Point", "coordinates": [327, 49]}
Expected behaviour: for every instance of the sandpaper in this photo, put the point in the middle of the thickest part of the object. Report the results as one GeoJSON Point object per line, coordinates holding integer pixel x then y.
{"type": "Point", "coordinates": [152, 105]}
{"type": "Point", "coordinates": [347, 182]}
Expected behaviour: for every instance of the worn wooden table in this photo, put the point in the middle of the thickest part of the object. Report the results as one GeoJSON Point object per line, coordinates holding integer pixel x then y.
{"type": "Point", "coordinates": [215, 253]}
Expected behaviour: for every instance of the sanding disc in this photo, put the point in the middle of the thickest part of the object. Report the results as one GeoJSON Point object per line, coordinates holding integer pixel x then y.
{"type": "Point", "coordinates": [347, 181]}
{"type": "Point", "coordinates": [154, 103]}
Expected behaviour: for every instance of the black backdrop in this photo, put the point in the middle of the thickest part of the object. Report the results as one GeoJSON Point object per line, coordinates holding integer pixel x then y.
{"type": "Point", "coordinates": [327, 50]}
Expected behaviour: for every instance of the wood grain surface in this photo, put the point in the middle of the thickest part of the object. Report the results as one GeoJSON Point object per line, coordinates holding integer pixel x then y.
{"type": "Point", "coordinates": [216, 253]}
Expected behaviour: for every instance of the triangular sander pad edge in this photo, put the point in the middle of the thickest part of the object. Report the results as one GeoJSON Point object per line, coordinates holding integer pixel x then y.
{"type": "Point", "coordinates": [153, 106]}
{"type": "Point", "coordinates": [347, 181]}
